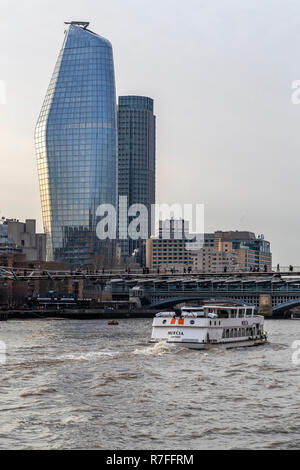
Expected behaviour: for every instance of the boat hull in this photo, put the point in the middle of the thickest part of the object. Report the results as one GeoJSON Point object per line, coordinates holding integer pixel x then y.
{"type": "Point", "coordinates": [224, 345]}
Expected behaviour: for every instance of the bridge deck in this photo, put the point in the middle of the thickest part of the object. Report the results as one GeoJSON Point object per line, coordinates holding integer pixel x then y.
{"type": "Point", "coordinates": [26, 274]}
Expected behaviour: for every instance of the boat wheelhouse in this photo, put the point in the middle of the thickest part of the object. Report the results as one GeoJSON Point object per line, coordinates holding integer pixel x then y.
{"type": "Point", "coordinates": [204, 327]}
{"type": "Point", "coordinates": [295, 316]}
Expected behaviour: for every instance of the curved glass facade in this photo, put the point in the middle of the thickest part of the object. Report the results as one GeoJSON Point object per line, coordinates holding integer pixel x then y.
{"type": "Point", "coordinates": [76, 145]}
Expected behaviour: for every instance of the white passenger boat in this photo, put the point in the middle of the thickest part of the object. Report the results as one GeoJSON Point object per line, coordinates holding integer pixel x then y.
{"type": "Point", "coordinates": [295, 316]}
{"type": "Point", "coordinates": [226, 325]}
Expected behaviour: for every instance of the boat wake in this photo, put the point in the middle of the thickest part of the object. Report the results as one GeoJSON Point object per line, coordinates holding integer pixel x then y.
{"type": "Point", "coordinates": [93, 355]}
{"type": "Point", "coordinates": [158, 349]}
{"type": "Point", "coordinates": [38, 391]}
{"type": "Point", "coordinates": [107, 378]}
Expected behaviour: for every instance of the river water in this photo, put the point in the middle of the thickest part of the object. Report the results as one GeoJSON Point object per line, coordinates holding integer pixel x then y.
{"type": "Point", "coordinates": [70, 384]}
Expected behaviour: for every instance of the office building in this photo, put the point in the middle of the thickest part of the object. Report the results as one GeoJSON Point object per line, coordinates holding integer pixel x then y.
{"type": "Point", "coordinates": [233, 251]}
{"type": "Point", "coordinates": [76, 146]}
{"type": "Point", "coordinates": [218, 252]}
{"type": "Point", "coordinates": [136, 164]}
{"type": "Point", "coordinates": [169, 249]}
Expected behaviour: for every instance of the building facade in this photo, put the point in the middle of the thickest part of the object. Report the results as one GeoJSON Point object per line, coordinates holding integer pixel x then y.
{"type": "Point", "coordinates": [170, 249]}
{"type": "Point", "coordinates": [211, 253]}
{"type": "Point", "coordinates": [168, 254]}
{"type": "Point", "coordinates": [233, 251]}
{"type": "Point", "coordinates": [76, 146]}
{"type": "Point", "coordinates": [173, 229]}
{"type": "Point", "coordinates": [136, 164]}
{"type": "Point", "coordinates": [21, 237]}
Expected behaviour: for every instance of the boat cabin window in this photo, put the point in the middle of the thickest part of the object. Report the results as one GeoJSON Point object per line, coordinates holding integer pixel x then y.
{"type": "Point", "coordinates": [239, 312]}
{"type": "Point", "coordinates": [233, 313]}
{"type": "Point", "coordinates": [190, 312]}
{"type": "Point", "coordinates": [223, 314]}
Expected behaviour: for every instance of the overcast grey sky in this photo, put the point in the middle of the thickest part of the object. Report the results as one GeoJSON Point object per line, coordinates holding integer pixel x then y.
{"type": "Point", "coordinates": [220, 72]}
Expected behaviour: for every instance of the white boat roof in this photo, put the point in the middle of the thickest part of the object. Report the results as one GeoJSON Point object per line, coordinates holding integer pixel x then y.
{"type": "Point", "coordinates": [192, 308]}
{"type": "Point", "coordinates": [227, 306]}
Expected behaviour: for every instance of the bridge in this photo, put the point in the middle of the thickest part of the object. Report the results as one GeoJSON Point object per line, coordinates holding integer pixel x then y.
{"type": "Point", "coordinates": [279, 311]}
{"type": "Point", "coordinates": [29, 274]}
{"type": "Point", "coordinates": [279, 290]}
{"type": "Point", "coordinates": [173, 301]}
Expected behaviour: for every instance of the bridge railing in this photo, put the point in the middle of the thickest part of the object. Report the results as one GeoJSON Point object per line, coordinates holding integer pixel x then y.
{"type": "Point", "coordinates": [286, 269]}
{"type": "Point", "coordinates": [26, 272]}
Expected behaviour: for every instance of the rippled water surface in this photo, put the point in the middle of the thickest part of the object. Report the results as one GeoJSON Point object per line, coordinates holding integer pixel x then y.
{"type": "Point", "coordinates": [85, 384]}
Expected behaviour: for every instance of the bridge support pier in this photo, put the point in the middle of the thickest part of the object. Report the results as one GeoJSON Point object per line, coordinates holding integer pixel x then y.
{"type": "Point", "coordinates": [136, 301]}
{"type": "Point", "coordinates": [75, 287]}
{"type": "Point", "coordinates": [265, 305]}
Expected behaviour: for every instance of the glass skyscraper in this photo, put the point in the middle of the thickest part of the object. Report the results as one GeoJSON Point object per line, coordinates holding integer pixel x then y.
{"type": "Point", "coordinates": [136, 161]}
{"type": "Point", "coordinates": [76, 145]}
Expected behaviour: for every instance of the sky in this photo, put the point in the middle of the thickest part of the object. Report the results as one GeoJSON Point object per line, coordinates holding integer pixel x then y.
{"type": "Point", "coordinates": [220, 73]}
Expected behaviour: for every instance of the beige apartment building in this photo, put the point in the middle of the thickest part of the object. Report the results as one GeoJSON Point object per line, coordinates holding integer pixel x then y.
{"type": "Point", "coordinates": [210, 260]}
{"type": "Point", "coordinates": [170, 249]}
{"type": "Point", "coordinates": [168, 254]}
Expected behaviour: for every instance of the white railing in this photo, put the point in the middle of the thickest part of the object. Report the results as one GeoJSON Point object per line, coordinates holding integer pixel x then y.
{"type": "Point", "coordinates": [15, 273]}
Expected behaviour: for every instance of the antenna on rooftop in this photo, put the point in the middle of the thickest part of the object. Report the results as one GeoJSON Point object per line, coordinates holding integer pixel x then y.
{"type": "Point", "coordinates": [84, 24]}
